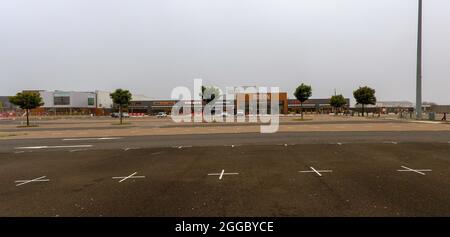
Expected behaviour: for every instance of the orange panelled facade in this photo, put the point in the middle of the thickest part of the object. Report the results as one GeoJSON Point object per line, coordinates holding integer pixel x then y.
{"type": "Point", "coordinates": [247, 98]}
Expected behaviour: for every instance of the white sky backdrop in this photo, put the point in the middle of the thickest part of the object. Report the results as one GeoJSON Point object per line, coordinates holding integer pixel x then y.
{"type": "Point", "coordinates": [151, 47]}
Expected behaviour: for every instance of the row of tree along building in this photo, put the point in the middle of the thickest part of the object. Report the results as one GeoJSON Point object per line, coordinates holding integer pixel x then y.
{"type": "Point", "coordinates": [99, 103]}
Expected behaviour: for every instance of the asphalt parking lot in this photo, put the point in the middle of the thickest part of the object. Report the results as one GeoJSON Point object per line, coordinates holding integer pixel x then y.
{"type": "Point", "coordinates": [397, 176]}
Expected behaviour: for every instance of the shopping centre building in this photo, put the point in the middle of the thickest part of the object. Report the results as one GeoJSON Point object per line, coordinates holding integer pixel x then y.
{"type": "Point", "coordinates": [99, 103]}
{"type": "Point", "coordinates": [285, 105]}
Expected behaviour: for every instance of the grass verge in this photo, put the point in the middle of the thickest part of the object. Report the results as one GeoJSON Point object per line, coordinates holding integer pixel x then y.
{"type": "Point", "coordinates": [3, 135]}
{"type": "Point", "coordinates": [301, 120]}
{"type": "Point", "coordinates": [31, 126]}
{"type": "Point", "coordinates": [124, 123]}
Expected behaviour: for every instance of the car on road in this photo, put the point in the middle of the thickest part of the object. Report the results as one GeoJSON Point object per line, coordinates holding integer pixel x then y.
{"type": "Point", "coordinates": [240, 113]}
{"type": "Point", "coordinates": [117, 115]}
{"type": "Point", "coordinates": [225, 114]}
{"type": "Point", "coordinates": [161, 115]}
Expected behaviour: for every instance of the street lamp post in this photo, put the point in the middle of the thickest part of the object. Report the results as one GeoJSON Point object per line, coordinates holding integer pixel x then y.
{"type": "Point", "coordinates": [419, 66]}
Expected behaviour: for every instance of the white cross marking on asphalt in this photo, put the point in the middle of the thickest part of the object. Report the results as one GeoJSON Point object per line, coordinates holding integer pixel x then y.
{"type": "Point", "coordinates": [406, 169]}
{"type": "Point", "coordinates": [318, 172]}
{"type": "Point", "coordinates": [40, 179]}
{"type": "Point", "coordinates": [131, 176]}
{"type": "Point", "coordinates": [221, 174]}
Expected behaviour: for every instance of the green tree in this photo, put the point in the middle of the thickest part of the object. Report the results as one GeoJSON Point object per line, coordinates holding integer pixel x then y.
{"type": "Point", "coordinates": [365, 96]}
{"type": "Point", "coordinates": [122, 98]}
{"type": "Point", "coordinates": [209, 93]}
{"type": "Point", "coordinates": [303, 93]}
{"type": "Point", "coordinates": [27, 101]}
{"type": "Point", "coordinates": [337, 101]}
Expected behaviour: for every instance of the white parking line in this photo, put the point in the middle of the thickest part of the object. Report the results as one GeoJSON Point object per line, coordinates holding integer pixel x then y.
{"type": "Point", "coordinates": [232, 145]}
{"type": "Point", "coordinates": [75, 150]}
{"type": "Point", "coordinates": [131, 176]}
{"type": "Point", "coordinates": [221, 174]}
{"type": "Point", "coordinates": [131, 148]}
{"type": "Point", "coordinates": [318, 172]}
{"type": "Point", "coordinates": [157, 153]}
{"type": "Point", "coordinates": [180, 147]}
{"type": "Point", "coordinates": [283, 144]}
{"type": "Point", "coordinates": [406, 169]}
{"type": "Point", "coordinates": [52, 147]}
{"type": "Point", "coordinates": [91, 138]}
{"type": "Point", "coordinates": [237, 145]}
{"type": "Point", "coordinates": [40, 179]}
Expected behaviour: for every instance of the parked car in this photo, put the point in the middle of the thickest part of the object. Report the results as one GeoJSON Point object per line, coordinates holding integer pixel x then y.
{"type": "Point", "coordinates": [117, 115]}
{"type": "Point", "coordinates": [161, 115]}
{"type": "Point", "coordinates": [225, 114]}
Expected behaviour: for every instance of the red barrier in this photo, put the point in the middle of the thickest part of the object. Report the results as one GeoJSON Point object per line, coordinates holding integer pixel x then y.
{"type": "Point", "coordinates": [137, 114]}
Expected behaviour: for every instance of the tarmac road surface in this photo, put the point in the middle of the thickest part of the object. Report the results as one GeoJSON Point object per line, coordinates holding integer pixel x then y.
{"type": "Point", "coordinates": [282, 174]}
{"type": "Point", "coordinates": [291, 138]}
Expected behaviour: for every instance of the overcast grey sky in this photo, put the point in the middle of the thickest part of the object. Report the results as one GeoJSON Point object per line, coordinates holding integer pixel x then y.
{"type": "Point", "coordinates": [153, 46]}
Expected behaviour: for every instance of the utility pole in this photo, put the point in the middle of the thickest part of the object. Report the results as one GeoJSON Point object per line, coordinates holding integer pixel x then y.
{"type": "Point", "coordinates": [419, 66]}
